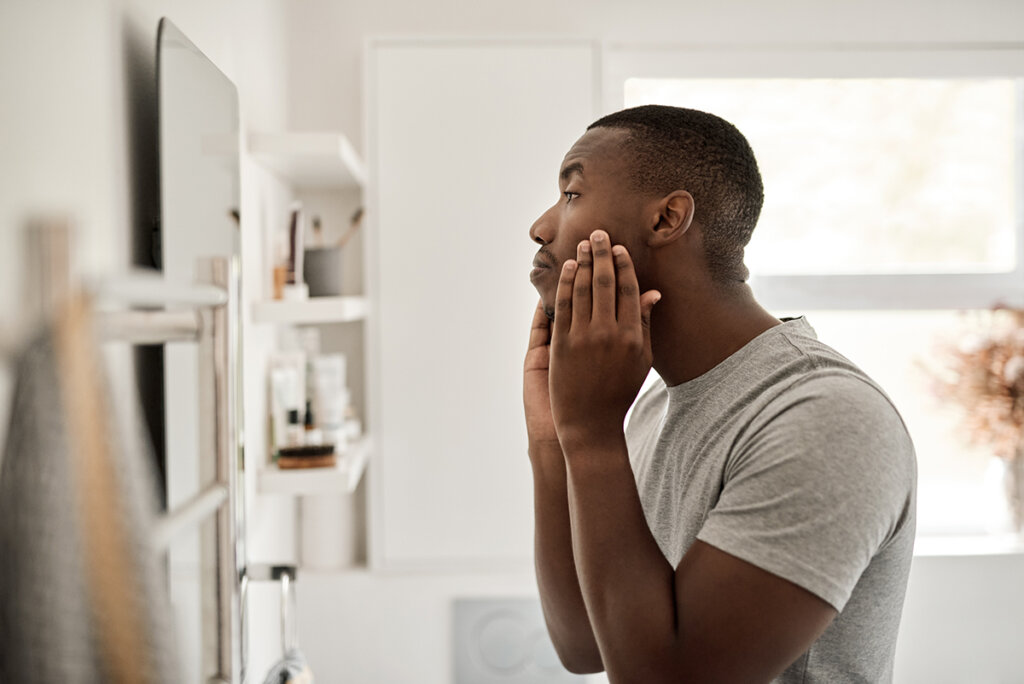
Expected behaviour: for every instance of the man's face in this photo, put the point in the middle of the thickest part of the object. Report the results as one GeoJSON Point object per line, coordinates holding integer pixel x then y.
{"type": "Point", "coordinates": [595, 192]}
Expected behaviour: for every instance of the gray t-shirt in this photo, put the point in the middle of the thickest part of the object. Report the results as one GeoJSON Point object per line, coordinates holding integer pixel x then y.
{"type": "Point", "coordinates": [788, 456]}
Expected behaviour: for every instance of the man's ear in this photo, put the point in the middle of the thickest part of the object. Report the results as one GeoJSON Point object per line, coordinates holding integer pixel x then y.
{"type": "Point", "coordinates": [673, 219]}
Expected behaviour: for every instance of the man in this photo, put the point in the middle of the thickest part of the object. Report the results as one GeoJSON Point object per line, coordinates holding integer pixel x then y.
{"type": "Point", "coordinates": [755, 522]}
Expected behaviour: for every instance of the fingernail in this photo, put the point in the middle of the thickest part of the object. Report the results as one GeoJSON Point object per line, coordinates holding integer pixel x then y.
{"type": "Point", "coordinates": [618, 250]}
{"type": "Point", "coordinates": [585, 247]}
{"type": "Point", "coordinates": [597, 237]}
{"type": "Point", "coordinates": [569, 265]}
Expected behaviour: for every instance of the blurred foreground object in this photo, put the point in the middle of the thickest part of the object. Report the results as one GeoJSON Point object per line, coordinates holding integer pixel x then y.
{"type": "Point", "coordinates": [81, 594]}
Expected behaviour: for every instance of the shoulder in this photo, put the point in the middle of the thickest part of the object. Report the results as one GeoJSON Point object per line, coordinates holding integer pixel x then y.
{"type": "Point", "coordinates": [836, 437]}
{"type": "Point", "coordinates": [817, 385]}
{"type": "Point", "coordinates": [837, 418]}
{"type": "Point", "coordinates": [826, 472]}
{"type": "Point", "coordinates": [827, 424]}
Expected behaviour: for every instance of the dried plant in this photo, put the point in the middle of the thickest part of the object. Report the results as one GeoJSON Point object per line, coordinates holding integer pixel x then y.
{"type": "Point", "coordinates": [983, 373]}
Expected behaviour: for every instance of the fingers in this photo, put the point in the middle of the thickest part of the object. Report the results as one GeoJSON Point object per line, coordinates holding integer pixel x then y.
{"type": "Point", "coordinates": [603, 277]}
{"type": "Point", "coordinates": [563, 300]}
{"type": "Point", "coordinates": [633, 308]}
{"type": "Point", "coordinates": [540, 331]}
{"type": "Point", "coordinates": [647, 302]}
{"type": "Point", "coordinates": [582, 297]}
{"type": "Point", "coordinates": [600, 285]}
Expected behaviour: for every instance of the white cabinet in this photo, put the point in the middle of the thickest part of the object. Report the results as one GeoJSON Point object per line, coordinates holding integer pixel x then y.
{"type": "Point", "coordinates": [465, 143]}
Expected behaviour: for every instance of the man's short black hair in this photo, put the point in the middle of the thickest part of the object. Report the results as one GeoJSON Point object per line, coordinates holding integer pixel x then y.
{"type": "Point", "coordinates": [686, 149]}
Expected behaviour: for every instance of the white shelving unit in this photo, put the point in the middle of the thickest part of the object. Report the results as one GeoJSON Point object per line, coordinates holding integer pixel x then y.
{"type": "Point", "coordinates": [309, 160]}
{"type": "Point", "coordinates": [312, 311]}
{"type": "Point", "coordinates": [342, 478]}
{"type": "Point", "coordinates": [312, 161]}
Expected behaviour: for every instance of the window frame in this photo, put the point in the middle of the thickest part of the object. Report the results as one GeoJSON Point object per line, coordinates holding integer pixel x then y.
{"type": "Point", "coordinates": [979, 290]}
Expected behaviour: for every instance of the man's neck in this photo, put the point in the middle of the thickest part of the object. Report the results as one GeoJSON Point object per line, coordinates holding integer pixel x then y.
{"type": "Point", "coordinates": [692, 333]}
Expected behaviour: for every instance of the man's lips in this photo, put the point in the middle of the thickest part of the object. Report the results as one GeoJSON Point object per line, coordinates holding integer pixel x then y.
{"type": "Point", "coordinates": [540, 266]}
{"type": "Point", "coordinates": [543, 260]}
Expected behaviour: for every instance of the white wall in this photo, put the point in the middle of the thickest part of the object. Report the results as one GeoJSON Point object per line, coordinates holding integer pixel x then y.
{"type": "Point", "coordinates": [448, 207]}
{"type": "Point", "coordinates": [325, 86]}
{"type": "Point", "coordinates": [326, 38]}
{"type": "Point", "coordinates": [962, 620]}
{"type": "Point", "coordinates": [47, 162]}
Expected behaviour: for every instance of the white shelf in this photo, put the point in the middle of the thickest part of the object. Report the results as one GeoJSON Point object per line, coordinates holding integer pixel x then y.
{"type": "Point", "coordinates": [340, 479]}
{"type": "Point", "coordinates": [312, 311]}
{"type": "Point", "coordinates": [309, 160]}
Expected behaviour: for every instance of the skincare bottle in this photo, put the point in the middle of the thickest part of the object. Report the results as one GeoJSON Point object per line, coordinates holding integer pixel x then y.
{"type": "Point", "coordinates": [312, 436]}
{"type": "Point", "coordinates": [287, 390]}
{"type": "Point", "coordinates": [330, 396]}
{"type": "Point", "coordinates": [295, 289]}
{"type": "Point", "coordinates": [353, 426]}
{"type": "Point", "coordinates": [296, 434]}
{"type": "Point", "coordinates": [279, 274]}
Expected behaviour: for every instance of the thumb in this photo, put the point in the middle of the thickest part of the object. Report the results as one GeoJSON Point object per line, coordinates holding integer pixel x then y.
{"type": "Point", "coordinates": [647, 301]}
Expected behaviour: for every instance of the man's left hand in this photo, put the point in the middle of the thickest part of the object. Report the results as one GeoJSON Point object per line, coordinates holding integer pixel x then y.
{"type": "Point", "coordinates": [600, 342]}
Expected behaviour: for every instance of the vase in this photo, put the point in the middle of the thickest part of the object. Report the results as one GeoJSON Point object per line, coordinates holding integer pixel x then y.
{"type": "Point", "coordinates": [1004, 495]}
{"type": "Point", "coordinates": [1013, 488]}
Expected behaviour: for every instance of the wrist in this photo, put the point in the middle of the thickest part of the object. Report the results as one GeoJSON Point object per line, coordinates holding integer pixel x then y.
{"type": "Point", "coordinates": [543, 448]}
{"type": "Point", "coordinates": [548, 467]}
{"type": "Point", "coordinates": [591, 443]}
{"type": "Point", "coordinates": [545, 454]}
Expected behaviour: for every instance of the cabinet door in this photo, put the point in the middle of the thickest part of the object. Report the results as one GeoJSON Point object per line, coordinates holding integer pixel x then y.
{"type": "Point", "coordinates": [465, 142]}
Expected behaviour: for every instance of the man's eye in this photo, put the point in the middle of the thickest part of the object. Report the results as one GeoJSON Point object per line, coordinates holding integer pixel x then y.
{"type": "Point", "coordinates": [570, 196]}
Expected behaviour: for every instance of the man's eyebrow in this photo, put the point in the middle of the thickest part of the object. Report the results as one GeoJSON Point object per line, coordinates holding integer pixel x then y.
{"type": "Point", "coordinates": [575, 167]}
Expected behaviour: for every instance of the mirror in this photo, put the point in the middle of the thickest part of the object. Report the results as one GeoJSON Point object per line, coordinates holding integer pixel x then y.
{"type": "Point", "coordinates": [199, 198]}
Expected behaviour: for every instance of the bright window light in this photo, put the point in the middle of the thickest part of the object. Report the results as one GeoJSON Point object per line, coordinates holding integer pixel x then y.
{"type": "Point", "coordinates": [867, 176]}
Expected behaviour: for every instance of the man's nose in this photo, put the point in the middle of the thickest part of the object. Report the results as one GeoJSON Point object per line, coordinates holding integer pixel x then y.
{"type": "Point", "coordinates": [543, 229]}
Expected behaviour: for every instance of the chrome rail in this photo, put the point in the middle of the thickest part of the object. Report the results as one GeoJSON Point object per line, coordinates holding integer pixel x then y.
{"type": "Point", "coordinates": [206, 314]}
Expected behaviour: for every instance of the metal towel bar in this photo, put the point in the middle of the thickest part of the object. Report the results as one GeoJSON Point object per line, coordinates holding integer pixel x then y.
{"type": "Point", "coordinates": [210, 308]}
{"type": "Point", "coordinates": [149, 327]}
{"type": "Point", "coordinates": [192, 512]}
{"type": "Point", "coordinates": [155, 311]}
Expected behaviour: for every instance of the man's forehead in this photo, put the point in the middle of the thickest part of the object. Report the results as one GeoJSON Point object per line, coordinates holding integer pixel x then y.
{"type": "Point", "coordinates": [597, 146]}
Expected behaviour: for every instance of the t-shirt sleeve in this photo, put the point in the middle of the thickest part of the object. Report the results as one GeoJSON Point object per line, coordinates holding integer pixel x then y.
{"type": "Point", "coordinates": [819, 481]}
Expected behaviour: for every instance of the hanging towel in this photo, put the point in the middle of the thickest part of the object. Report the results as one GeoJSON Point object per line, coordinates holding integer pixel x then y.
{"type": "Point", "coordinates": [82, 599]}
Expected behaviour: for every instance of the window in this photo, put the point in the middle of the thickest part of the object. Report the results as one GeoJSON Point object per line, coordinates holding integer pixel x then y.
{"type": "Point", "coordinates": [892, 204]}
{"type": "Point", "coordinates": [871, 175]}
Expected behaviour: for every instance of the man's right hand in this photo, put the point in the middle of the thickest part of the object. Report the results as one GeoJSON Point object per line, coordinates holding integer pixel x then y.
{"type": "Point", "coordinates": [540, 427]}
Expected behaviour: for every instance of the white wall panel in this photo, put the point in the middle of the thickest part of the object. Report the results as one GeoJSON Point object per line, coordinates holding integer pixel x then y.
{"type": "Point", "coordinates": [465, 145]}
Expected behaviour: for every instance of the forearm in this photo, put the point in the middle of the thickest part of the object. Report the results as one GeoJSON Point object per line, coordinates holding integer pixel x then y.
{"type": "Point", "coordinates": [627, 583]}
{"type": "Point", "coordinates": [561, 598]}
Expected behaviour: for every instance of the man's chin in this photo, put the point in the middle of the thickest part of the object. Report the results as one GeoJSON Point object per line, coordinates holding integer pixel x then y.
{"type": "Point", "coordinates": [547, 301]}
{"type": "Point", "coordinates": [549, 311]}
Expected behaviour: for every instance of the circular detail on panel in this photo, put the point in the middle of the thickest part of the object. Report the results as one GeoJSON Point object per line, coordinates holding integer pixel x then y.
{"type": "Point", "coordinates": [542, 655]}
{"type": "Point", "coordinates": [502, 643]}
